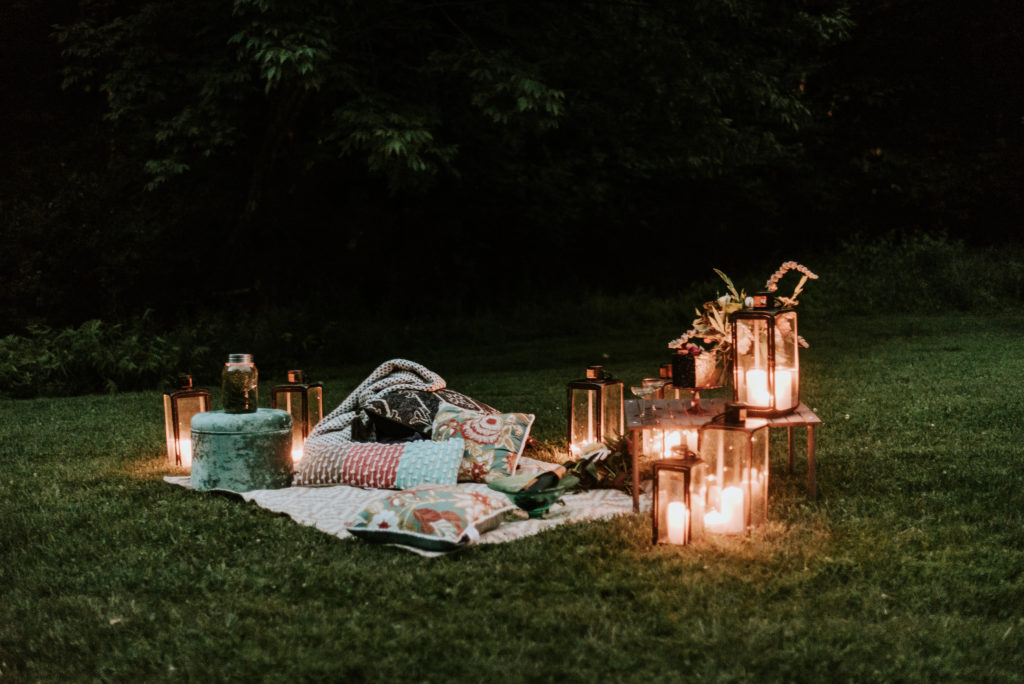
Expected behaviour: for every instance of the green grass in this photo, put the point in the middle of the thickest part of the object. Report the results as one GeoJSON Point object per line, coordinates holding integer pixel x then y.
{"type": "Point", "coordinates": [908, 567]}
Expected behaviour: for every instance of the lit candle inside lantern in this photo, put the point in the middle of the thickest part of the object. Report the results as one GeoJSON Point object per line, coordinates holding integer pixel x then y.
{"type": "Point", "coordinates": [757, 387]}
{"type": "Point", "coordinates": [185, 447]}
{"type": "Point", "coordinates": [678, 521]}
{"type": "Point", "coordinates": [730, 519]}
{"type": "Point", "coordinates": [296, 453]}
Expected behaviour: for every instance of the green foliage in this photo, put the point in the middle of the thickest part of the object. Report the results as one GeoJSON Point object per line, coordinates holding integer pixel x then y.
{"type": "Point", "coordinates": [690, 89]}
{"type": "Point", "coordinates": [915, 272]}
{"type": "Point", "coordinates": [94, 357]}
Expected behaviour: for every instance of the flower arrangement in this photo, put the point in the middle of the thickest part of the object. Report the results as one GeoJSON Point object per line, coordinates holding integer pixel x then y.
{"type": "Point", "coordinates": [711, 330]}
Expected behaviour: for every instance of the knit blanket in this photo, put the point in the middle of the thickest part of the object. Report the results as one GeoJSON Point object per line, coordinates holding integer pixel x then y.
{"type": "Point", "coordinates": [335, 429]}
{"type": "Point", "coordinates": [329, 509]}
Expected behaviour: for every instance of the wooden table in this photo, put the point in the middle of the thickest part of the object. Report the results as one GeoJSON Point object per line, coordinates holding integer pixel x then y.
{"type": "Point", "coordinates": [671, 414]}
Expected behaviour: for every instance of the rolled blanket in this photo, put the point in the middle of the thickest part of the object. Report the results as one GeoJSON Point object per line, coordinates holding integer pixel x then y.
{"type": "Point", "coordinates": [334, 431]}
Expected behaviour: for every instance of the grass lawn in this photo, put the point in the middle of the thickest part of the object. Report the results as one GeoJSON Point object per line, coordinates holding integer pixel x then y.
{"type": "Point", "coordinates": [908, 567]}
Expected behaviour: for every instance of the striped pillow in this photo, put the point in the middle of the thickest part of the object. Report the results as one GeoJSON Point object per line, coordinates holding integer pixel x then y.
{"type": "Point", "coordinates": [383, 466]}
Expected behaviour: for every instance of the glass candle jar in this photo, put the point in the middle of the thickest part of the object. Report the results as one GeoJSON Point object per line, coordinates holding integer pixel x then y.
{"type": "Point", "coordinates": [239, 384]}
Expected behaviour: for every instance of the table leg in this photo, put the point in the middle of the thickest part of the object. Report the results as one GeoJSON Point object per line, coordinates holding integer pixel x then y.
{"type": "Point", "coordinates": [789, 436]}
{"type": "Point", "coordinates": [812, 485]}
{"type": "Point", "coordinates": [634, 454]}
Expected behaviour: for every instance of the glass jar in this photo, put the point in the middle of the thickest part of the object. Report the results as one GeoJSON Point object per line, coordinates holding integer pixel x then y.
{"type": "Point", "coordinates": [239, 384]}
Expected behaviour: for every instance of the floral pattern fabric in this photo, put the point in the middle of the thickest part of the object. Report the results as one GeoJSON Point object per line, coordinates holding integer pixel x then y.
{"type": "Point", "coordinates": [436, 519]}
{"type": "Point", "coordinates": [403, 412]}
{"type": "Point", "coordinates": [493, 442]}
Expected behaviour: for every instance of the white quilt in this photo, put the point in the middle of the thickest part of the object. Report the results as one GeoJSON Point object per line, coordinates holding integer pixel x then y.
{"type": "Point", "coordinates": [329, 509]}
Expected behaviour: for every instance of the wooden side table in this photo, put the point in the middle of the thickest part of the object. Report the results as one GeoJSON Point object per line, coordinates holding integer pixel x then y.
{"type": "Point", "coordinates": [671, 414]}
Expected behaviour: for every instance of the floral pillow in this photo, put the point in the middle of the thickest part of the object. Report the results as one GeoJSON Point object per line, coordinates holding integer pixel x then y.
{"type": "Point", "coordinates": [433, 519]}
{"type": "Point", "coordinates": [493, 442]}
{"type": "Point", "coordinates": [405, 412]}
{"type": "Point", "coordinates": [383, 466]}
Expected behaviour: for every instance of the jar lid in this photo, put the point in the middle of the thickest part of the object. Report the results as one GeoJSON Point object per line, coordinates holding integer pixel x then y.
{"type": "Point", "coordinates": [261, 420]}
{"type": "Point", "coordinates": [239, 358]}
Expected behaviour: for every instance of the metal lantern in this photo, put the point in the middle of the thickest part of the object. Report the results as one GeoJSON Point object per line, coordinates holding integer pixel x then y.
{"type": "Point", "coordinates": [596, 410]}
{"type": "Point", "coordinates": [179, 407]}
{"type": "Point", "coordinates": [679, 486]}
{"type": "Point", "coordinates": [766, 366]}
{"type": "Point", "coordinates": [668, 389]}
{"type": "Point", "coordinates": [305, 402]}
{"type": "Point", "coordinates": [735, 449]}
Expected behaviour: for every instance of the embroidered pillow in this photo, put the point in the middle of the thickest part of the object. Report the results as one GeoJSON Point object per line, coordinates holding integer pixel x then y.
{"type": "Point", "coordinates": [493, 442]}
{"type": "Point", "coordinates": [404, 412]}
{"type": "Point", "coordinates": [383, 466]}
{"type": "Point", "coordinates": [433, 519]}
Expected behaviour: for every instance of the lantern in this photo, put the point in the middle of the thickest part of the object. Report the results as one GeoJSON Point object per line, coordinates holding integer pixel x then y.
{"type": "Point", "coordinates": [679, 486]}
{"type": "Point", "coordinates": [179, 407]}
{"type": "Point", "coordinates": [596, 411]}
{"type": "Point", "coordinates": [668, 389]}
{"type": "Point", "coordinates": [305, 403]}
{"type": "Point", "coordinates": [766, 368]}
{"type": "Point", "coordinates": [735, 449]}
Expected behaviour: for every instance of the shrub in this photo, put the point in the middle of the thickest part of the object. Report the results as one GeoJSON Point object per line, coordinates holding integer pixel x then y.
{"type": "Point", "coordinates": [94, 357]}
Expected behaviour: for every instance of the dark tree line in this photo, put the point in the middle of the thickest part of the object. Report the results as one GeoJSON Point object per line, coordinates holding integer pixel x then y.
{"type": "Point", "coordinates": [357, 153]}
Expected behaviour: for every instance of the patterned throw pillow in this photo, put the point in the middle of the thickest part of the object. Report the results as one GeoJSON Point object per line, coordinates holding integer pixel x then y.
{"type": "Point", "coordinates": [404, 412]}
{"type": "Point", "coordinates": [383, 466]}
{"type": "Point", "coordinates": [494, 442]}
{"type": "Point", "coordinates": [434, 519]}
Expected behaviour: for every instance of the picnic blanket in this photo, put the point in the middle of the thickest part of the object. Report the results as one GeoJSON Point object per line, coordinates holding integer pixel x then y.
{"type": "Point", "coordinates": [329, 508]}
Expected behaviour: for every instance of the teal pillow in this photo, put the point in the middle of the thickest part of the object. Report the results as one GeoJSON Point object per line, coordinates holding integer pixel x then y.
{"type": "Point", "coordinates": [433, 519]}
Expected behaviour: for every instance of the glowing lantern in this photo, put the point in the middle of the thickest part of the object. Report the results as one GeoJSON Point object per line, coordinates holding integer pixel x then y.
{"type": "Point", "coordinates": [766, 366]}
{"type": "Point", "coordinates": [668, 389]}
{"type": "Point", "coordinates": [305, 403]}
{"type": "Point", "coordinates": [679, 485]}
{"type": "Point", "coordinates": [596, 409]}
{"type": "Point", "coordinates": [179, 407]}
{"type": "Point", "coordinates": [735, 449]}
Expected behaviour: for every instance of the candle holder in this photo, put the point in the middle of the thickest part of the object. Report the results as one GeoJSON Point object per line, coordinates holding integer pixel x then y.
{"type": "Point", "coordinates": [735, 449]}
{"type": "Point", "coordinates": [679, 493]}
{"type": "Point", "coordinates": [697, 372]}
{"type": "Point", "coordinates": [179, 406]}
{"type": "Point", "coordinates": [596, 409]}
{"type": "Point", "coordinates": [766, 364]}
{"type": "Point", "coordinates": [305, 402]}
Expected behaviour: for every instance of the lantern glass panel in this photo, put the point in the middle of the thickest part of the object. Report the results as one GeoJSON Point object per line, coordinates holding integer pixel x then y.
{"type": "Point", "coordinates": [614, 419]}
{"type": "Point", "coordinates": [585, 419]}
{"type": "Point", "coordinates": [656, 443]}
{"type": "Point", "coordinates": [752, 362]}
{"type": "Point", "coordinates": [673, 524]}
